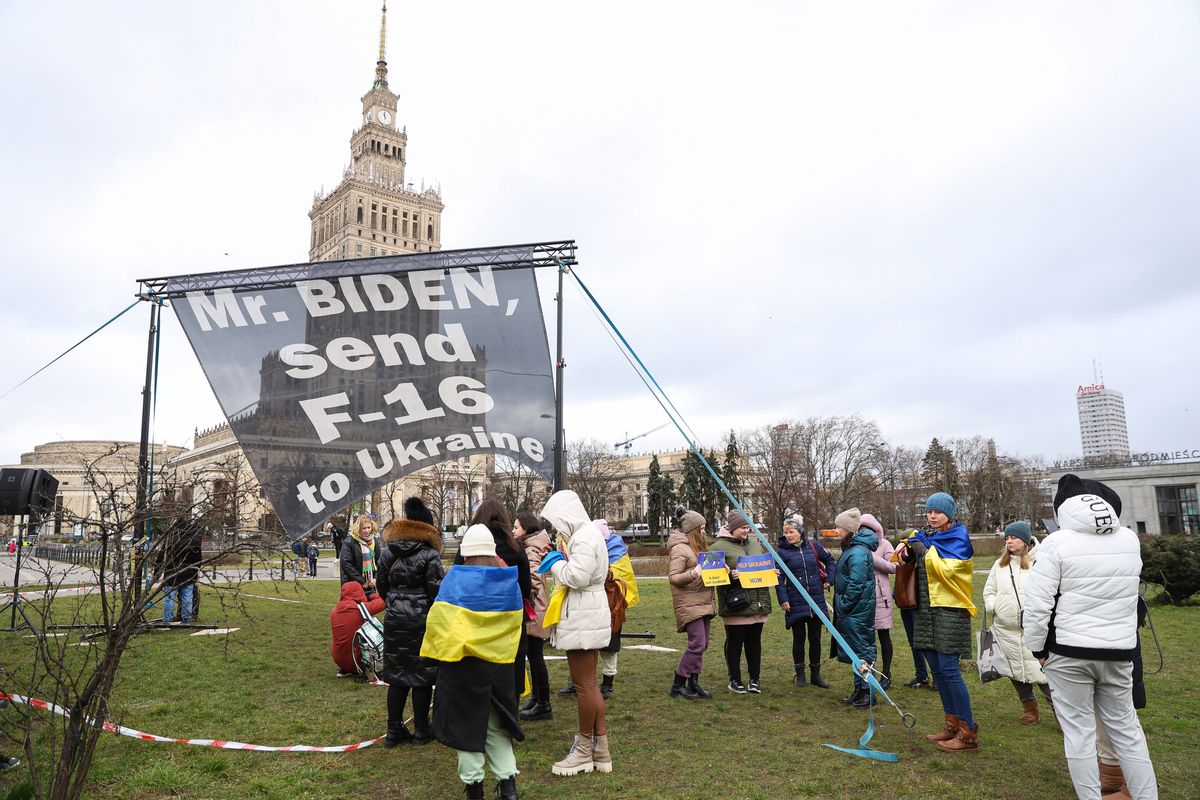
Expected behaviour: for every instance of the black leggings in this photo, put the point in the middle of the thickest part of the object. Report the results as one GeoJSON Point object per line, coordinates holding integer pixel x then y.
{"type": "Point", "coordinates": [422, 696]}
{"type": "Point", "coordinates": [738, 637]}
{"type": "Point", "coordinates": [810, 629]}
{"type": "Point", "coordinates": [539, 676]}
{"type": "Point", "coordinates": [885, 649]}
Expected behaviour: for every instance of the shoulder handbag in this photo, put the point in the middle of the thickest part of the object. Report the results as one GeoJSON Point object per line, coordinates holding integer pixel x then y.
{"type": "Point", "coordinates": [737, 597]}
{"type": "Point", "coordinates": [992, 662]}
{"type": "Point", "coordinates": [906, 585]}
{"type": "Point", "coordinates": [614, 589]}
{"type": "Point", "coordinates": [820, 564]}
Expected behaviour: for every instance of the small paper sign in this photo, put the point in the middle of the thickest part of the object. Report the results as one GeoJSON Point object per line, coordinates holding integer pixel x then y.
{"type": "Point", "coordinates": [712, 568]}
{"type": "Point", "coordinates": [756, 571]}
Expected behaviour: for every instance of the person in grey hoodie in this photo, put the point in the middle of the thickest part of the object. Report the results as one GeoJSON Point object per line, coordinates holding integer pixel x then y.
{"type": "Point", "coordinates": [1081, 622]}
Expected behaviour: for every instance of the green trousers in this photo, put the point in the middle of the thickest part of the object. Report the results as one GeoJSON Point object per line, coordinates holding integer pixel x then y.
{"type": "Point", "coordinates": [497, 751]}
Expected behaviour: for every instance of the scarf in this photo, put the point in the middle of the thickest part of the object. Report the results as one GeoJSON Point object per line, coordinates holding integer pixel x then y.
{"type": "Point", "coordinates": [368, 559]}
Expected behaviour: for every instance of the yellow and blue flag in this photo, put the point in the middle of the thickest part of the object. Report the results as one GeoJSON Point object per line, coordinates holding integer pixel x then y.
{"type": "Point", "coordinates": [950, 567]}
{"type": "Point", "coordinates": [622, 567]}
{"type": "Point", "coordinates": [477, 613]}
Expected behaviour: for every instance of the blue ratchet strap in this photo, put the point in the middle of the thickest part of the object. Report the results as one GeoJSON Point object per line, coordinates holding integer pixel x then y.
{"type": "Point", "coordinates": [664, 401]}
{"type": "Point", "coordinates": [864, 749]}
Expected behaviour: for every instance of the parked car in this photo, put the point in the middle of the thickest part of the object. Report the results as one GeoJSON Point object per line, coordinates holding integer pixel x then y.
{"type": "Point", "coordinates": [638, 530]}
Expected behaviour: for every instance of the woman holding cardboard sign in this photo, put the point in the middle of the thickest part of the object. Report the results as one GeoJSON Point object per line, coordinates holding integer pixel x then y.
{"type": "Point", "coordinates": [692, 599]}
{"type": "Point", "coordinates": [742, 609]}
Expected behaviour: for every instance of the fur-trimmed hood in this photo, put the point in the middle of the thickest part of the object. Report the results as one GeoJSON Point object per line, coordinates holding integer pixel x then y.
{"type": "Point", "coordinates": [410, 530]}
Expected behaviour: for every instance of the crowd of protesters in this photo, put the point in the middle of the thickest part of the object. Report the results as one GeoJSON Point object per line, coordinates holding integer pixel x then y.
{"type": "Point", "coordinates": [1064, 613]}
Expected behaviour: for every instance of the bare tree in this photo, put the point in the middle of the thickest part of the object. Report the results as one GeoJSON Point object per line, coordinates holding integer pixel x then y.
{"type": "Point", "coordinates": [592, 473]}
{"type": "Point", "coordinates": [128, 578]}
{"type": "Point", "coordinates": [777, 469]}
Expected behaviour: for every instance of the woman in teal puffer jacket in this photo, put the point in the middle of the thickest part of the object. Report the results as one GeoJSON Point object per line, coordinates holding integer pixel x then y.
{"type": "Point", "coordinates": [854, 597]}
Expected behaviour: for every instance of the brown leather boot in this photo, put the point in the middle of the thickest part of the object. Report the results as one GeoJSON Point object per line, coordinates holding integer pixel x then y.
{"type": "Point", "coordinates": [1112, 783]}
{"type": "Point", "coordinates": [1031, 714]}
{"type": "Point", "coordinates": [947, 733]}
{"type": "Point", "coordinates": [967, 740]}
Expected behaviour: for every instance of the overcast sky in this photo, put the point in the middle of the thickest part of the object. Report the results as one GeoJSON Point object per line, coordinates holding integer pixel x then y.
{"type": "Point", "coordinates": [931, 214]}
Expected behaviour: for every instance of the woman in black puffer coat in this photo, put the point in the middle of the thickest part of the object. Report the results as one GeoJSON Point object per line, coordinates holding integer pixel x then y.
{"type": "Point", "coordinates": [410, 574]}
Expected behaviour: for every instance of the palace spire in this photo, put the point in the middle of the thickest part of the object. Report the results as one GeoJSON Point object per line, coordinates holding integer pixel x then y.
{"type": "Point", "coordinates": [381, 64]}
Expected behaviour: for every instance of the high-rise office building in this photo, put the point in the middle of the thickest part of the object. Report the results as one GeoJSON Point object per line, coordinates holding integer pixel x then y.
{"type": "Point", "coordinates": [1102, 422]}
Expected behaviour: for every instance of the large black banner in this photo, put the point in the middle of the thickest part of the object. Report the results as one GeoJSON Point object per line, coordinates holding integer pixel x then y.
{"type": "Point", "coordinates": [342, 382]}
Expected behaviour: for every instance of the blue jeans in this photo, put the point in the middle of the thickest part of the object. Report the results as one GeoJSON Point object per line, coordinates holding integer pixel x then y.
{"type": "Point", "coordinates": [185, 599]}
{"type": "Point", "coordinates": [950, 685]}
{"type": "Point", "coordinates": [907, 616]}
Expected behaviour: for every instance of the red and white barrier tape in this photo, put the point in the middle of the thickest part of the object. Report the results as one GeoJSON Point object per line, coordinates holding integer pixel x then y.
{"type": "Point", "coordinates": [222, 744]}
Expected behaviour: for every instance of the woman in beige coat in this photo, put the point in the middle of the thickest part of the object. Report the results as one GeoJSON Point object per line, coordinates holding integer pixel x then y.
{"type": "Point", "coordinates": [584, 626]}
{"type": "Point", "coordinates": [693, 601]}
{"type": "Point", "coordinates": [1004, 598]}
{"type": "Point", "coordinates": [536, 542]}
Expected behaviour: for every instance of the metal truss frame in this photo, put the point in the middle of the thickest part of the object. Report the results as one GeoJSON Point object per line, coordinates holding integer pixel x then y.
{"type": "Point", "coordinates": [536, 255]}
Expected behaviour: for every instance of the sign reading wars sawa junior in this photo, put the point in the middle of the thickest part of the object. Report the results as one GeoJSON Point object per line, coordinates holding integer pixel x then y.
{"type": "Point", "coordinates": [340, 382]}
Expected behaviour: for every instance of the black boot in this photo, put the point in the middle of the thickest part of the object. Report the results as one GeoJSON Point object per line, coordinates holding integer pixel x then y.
{"type": "Point", "coordinates": [814, 677]}
{"type": "Point", "coordinates": [681, 689]}
{"type": "Point", "coordinates": [531, 702]}
{"type": "Point", "coordinates": [606, 686]}
{"type": "Point", "coordinates": [422, 733]}
{"type": "Point", "coordinates": [396, 734]}
{"type": "Point", "coordinates": [475, 791]}
{"type": "Point", "coordinates": [540, 708]}
{"type": "Point", "coordinates": [800, 679]}
{"type": "Point", "coordinates": [854, 697]}
{"type": "Point", "coordinates": [865, 699]}
{"type": "Point", "coordinates": [569, 691]}
{"type": "Point", "coordinates": [694, 684]}
{"type": "Point", "coordinates": [507, 788]}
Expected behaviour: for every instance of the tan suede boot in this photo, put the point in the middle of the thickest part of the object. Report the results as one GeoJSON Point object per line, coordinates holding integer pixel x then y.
{"type": "Point", "coordinates": [966, 741]}
{"type": "Point", "coordinates": [1112, 783]}
{"type": "Point", "coordinates": [600, 755]}
{"type": "Point", "coordinates": [947, 733]}
{"type": "Point", "coordinates": [1031, 714]}
{"type": "Point", "coordinates": [578, 760]}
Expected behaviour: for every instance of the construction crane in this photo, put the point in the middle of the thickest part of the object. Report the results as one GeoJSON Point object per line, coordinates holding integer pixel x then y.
{"type": "Point", "coordinates": [628, 443]}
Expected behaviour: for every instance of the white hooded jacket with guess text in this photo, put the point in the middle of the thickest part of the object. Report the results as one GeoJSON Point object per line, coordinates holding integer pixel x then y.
{"type": "Point", "coordinates": [1081, 596]}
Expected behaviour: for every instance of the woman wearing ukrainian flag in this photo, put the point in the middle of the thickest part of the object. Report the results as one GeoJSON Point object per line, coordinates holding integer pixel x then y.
{"type": "Point", "coordinates": [942, 621]}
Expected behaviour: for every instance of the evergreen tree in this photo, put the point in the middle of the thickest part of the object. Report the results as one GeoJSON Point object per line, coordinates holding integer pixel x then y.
{"type": "Point", "coordinates": [691, 493]}
{"type": "Point", "coordinates": [655, 502]}
{"type": "Point", "coordinates": [670, 500]}
{"type": "Point", "coordinates": [939, 469]}
{"type": "Point", "coordinates": [730, 473]}
{"type": "Point", "coordinates": [712, 499]}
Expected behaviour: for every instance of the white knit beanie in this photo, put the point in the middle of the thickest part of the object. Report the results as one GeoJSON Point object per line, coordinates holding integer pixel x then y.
{"type": "Point", "coordinates": [477, 541]}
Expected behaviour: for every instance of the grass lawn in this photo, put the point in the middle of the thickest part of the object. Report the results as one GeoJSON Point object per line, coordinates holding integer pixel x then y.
{"type": "Point", "coordinates": [272, 682]}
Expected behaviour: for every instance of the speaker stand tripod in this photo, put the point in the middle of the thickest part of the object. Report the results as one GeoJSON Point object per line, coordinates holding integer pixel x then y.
{"type": "Point", "coordinates": [15, 602]}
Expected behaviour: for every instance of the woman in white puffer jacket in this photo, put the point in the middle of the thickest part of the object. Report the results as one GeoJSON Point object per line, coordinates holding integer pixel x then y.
{"type": "Point", "coordinates": [584, 626]}
{"type": "Point", "coordinates": [1081, 623]}
{"type": "Point", "coordinates": [1004, 598]}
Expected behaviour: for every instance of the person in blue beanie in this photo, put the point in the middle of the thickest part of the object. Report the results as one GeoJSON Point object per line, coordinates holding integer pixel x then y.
{"type": "Point", "coordinates": [942, 621]}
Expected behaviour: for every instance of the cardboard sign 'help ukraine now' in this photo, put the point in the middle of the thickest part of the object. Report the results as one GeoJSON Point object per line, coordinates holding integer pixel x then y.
{"type": "Point", "coordinates": [756, 572]}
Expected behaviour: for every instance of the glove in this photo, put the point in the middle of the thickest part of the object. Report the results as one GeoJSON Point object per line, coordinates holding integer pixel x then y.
{"type": "Point", "coordinates": [549, 560]}
{"type": "Point", "coordinates": [697, 570]}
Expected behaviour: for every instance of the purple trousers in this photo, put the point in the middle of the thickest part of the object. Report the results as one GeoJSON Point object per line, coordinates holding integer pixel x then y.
{"type": "Point", "coordinates": [693, 659]}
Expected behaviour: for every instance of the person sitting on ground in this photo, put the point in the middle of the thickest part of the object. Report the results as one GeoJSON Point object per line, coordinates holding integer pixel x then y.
{"type": "Point", "coordinates": [360, 554]}
{"type": "Point", "coordinates": [805, 558]}
{"type": "Point", "coordinates": [1081, 622]}
{"type": "Point", "coordinates": [410, 574]}
{"type": "Point", "coordinates": [1004, 597]}
{"type": "Point", "coordinates": [345, 619]}
{"type": "Point", "coordinates": [854, 598]}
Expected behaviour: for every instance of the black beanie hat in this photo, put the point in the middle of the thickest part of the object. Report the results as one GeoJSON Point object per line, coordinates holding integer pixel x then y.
{"type": "Point", "coordinates": [415, 510]}
{"type": "Point", "coordinates": [1071, 485]}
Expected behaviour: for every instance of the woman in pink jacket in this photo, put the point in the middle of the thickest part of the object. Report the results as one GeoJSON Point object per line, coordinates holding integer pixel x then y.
{"type": "Point", "coordinates": [884, 602]}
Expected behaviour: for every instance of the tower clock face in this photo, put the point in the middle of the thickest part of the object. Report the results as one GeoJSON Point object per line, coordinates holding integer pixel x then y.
{"type": "Point", "coordinates": [385, 116]}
